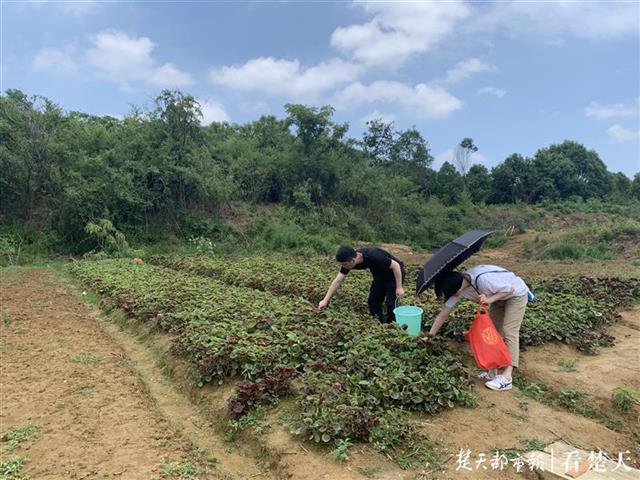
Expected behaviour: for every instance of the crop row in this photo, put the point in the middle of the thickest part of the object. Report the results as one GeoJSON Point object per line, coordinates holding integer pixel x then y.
{"type": "Point", "coordinates": [354, 376]}
{"type": "Point", "coordinates": [573, 310]}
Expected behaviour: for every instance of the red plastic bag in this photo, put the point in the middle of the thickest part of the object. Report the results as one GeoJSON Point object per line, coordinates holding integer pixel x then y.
{"type": "Point", "coordinates": [488, 347]}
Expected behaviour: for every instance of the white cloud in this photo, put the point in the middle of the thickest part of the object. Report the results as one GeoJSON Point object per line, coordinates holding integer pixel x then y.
{"type": "Point", "coordinates": [213, 111]}
{"type": "Point", "coordinates": [53, 60]}
{"type": "Point", "coordinates": [465, 69]}
{"type": "Point", "coordinates": [168, 75]}
{"type": "Point", "coordinates": [123, 59]}
{"type": "Point", "coordinates": [622, 134]}
{"type": "Point", "coordinates": [376, 115]}
{"type": "Point", "coordinates": [446, 156]}
{"type": "Point", "coordinates": [496, 92]}
{"type": "Point", "coordinates": [426, 101]}
{"type": "Point", "coordinates": [80, 7]}
{"type": "Point", "coordinates": [595, 110]}
{"type": "Point", "coordinates": [285, 77]}
{"type": "Point", "coordinates": [556, 20]}
{"type": "Point", "coordinates": [254, 108]}
{"type": "Point", "coordinates": [398, 30]}
{"type": "Point", "coordinates": [71, 7]}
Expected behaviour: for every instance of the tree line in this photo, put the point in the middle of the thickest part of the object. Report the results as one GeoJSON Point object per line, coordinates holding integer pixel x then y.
{"type": "Point", "coordinates": [60, 171]}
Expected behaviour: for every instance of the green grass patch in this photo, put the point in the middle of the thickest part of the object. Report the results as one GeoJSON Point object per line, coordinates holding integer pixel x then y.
{"type": "Point", "coordinates": [85, 359]}
{"type": "Point", "coordinates": [624, 398]}
{"type": "Point", "coordinates": [184, 470]}
{"type": "Point", "coordinates": [567, 365]}
{"type": "Point", "coordinates": [534, 444]}
{"type": "Point", "coordinates": [17, 435]}
{"type": "Point", "coordinates": [10, 469]}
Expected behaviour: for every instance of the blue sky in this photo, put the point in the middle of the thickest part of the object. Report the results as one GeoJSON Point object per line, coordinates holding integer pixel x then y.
{"type": "Point", "coordinates": [514, 76]}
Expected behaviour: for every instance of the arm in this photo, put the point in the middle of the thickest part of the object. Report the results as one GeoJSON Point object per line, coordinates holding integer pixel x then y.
{"type": "Point", "coordinates": [494, 298]}
{"type": "Point", "coordinates": [439, 321]}
{"type": "Point", "coordinates": [332, 289]}
{"type": "Point", "coordinates": [397, 273]}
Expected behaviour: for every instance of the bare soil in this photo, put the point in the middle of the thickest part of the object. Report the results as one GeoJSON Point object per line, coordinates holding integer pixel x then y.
{"type": "Point", "coordinates": [62, 374]}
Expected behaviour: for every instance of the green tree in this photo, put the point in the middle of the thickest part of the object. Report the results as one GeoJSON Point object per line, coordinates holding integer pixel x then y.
{"type": "Point", "coordinates": [555, 176]}
{"type": "Point", "coordinates": [511, 181]}
{"type": "Point", "coordinates": [478, 182]}
{"type": "Point", "coordinates": [591, 178]}
{"type": "Point", "coordinates": [635, 186]}
{"type": "Point", "coordinates": [447, 184]}
{"type": "Point", "coordinates": [378, 140]}
{"type": "Point", "coordinates": [28, 157]}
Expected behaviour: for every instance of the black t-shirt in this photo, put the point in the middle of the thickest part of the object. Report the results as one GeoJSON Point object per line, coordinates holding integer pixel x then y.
{"type": "Point", "coordinates": [377, 260]}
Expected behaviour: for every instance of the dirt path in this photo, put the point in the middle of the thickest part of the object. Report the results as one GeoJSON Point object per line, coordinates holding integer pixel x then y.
{"type": "Point", "coordinates": [63, 375]}
{"type": "Point", "coordinates": [597, 375]}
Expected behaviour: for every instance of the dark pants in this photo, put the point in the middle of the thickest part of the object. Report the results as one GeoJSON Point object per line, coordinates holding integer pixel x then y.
{"type": "Point", "coordinates": [383, 290]}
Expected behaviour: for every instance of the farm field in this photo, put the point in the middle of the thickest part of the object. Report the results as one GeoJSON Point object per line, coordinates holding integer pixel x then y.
{"type": "Point", "coordinates": [209, 367]}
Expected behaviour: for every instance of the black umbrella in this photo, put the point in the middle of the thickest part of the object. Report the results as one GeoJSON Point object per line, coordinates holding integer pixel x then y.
{"type": "Point", "coordinates": [449, 257]}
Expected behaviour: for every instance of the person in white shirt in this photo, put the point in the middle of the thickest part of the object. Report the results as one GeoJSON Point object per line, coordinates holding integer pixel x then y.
{"type": "Point", "coordinates": [505, 292]}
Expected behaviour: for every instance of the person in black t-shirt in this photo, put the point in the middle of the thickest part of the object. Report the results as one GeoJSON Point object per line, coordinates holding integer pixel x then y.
{"type": "Point", "coordinates": [388, 274]}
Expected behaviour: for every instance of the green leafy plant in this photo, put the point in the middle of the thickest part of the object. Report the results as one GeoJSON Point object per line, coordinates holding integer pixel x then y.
{"type": "Point", "coordinates": [109, 239]}
{"type": "Point", "coordinates": [10, 248]}
{"type": "Point", "coordinates": [17, 435]}
{"type": "Point", "coordinates": [624, 398]}
{"type": "Point", "coordinates": [10, 469]}
{"type": "Point", "coordinates": [182, 470]}
{"type": "Point", "coordinates": [203, 245]}
{"type": "Point", "coordinates": [534, 444]}
{"type": "Point", "coordinates": [575, 401]}
{"type": "Point", "coordinates": [341, 452]}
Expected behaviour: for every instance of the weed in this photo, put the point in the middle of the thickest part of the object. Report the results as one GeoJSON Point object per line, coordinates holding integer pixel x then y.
{"type": "Point", "coordinates": [10, 469]}
{"type": "Point", "coordinates": [624, 397]}
{"type": "Point", "coordinates": [368, 472]}
{"type": "Point", "coordinates": [85, 391]}
{"type": "Point", "coordinates": [510, 454]}
{"type": "Point", "coordinates": [574, 401]}
{"type": "Point", "coordinates": [568, 365]}
{"type": "Point", "coordinates": [181, 470]}
{"type": "Point", "coordinates": [39, 306]}
{"type": "Point", "coordinates": [85, 359]}
{"type": "Point", "coordinates": [203, 455]}
{"type": "Point", "coordinates": [519, 416]}
{"type": "Point", "coordinates": [524, 405]}
{"type": "Point", "coordinates": [6, 316]}
{"type": "Point", "coordinates": [532, 390]}
{"type": "Point", "coordinates": [341, 452]}
{"type": "Point", "coordinates": [534, 444]}
{"type": "Point", "coordinates": [16, 435]}
{"type": "Point", "coordinates": [254, 419]}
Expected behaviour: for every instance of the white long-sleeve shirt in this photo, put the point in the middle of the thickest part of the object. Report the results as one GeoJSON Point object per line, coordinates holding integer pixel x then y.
{"type": "Point", "coordinates": [492, 280]}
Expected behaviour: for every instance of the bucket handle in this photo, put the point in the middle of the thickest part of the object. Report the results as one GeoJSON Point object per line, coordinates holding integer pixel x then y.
{"type": "Point", "coordinates": [397, 302]}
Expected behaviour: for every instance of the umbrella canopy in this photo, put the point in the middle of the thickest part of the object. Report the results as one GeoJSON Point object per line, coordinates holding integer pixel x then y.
{"type": "Point", "coordinates": [450, 256]}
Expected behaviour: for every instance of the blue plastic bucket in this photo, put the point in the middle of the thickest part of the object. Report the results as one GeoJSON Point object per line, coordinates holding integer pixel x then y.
{"type": "Point", "coordinates": [411, 317]}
